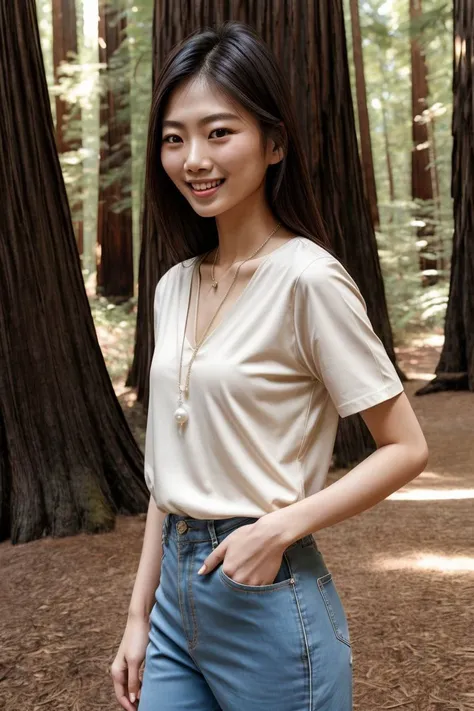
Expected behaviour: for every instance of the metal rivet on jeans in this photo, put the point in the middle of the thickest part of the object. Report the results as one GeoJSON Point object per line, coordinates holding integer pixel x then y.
{"type": "Point", "coordinates": [181, 526]}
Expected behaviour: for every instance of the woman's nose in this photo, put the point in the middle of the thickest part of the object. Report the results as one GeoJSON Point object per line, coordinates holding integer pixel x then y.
{"type": "Point", "coordinates": [196, 159]}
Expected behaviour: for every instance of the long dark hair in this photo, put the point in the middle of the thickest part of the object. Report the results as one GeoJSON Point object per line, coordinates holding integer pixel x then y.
{"type": "Point", "coordinates": [235, 60]}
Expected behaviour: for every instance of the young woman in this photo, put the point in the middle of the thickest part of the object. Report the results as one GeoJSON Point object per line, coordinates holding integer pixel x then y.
{"type": "Point", "coordinates": [261, 342]}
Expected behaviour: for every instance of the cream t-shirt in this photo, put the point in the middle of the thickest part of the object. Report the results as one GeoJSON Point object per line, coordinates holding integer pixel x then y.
{"type": "Point", "coordinates": [293, 353]}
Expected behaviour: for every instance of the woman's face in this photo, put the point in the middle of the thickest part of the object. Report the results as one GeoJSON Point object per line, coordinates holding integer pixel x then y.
{"type": "Point", "coordinates": [198, 147]}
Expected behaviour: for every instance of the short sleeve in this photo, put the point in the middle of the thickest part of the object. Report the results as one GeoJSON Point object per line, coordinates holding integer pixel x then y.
{"type": "Point", "coordinates": [335, 341]}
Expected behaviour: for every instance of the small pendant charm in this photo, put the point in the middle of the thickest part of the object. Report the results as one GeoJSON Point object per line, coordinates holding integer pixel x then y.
{"type": "Point", "coordinates": [214, 284]}
{"type": "Point", "coordinates": [181, 415]}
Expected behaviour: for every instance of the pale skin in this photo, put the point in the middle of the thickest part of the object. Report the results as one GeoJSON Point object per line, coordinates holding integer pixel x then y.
{"type": "Point", "coordinates": [251, 554]}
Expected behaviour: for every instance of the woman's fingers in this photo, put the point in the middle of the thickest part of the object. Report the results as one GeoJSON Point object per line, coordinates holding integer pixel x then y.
{"type": "Point", "coordinates": [214, 558]}
{"type": "Point", "coordinates": [133, 679]}
{"type": "Point", "coordinates": [119, 673]}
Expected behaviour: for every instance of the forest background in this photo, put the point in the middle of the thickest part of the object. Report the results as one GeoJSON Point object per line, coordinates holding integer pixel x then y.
{"type": "Point", "coordinates": [417, 304]}
{"type": "Point", "coordinates": [401, 565]}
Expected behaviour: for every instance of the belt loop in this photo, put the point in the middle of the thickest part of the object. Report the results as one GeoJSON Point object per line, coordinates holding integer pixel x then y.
{"type": "Point", "coordinates": [212, 532]}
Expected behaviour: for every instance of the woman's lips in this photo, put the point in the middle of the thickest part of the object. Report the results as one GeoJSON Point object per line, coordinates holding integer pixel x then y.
{"type": "Point", "coordinates": [205, 193]}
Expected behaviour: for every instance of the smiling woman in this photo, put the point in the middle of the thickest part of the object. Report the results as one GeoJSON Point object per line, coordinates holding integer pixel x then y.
{"type": "Point", "coordinates": [241, 609]}
{"type": "Point", "coordinates": [217, 122]}
{"type": "Point", "coordinates": [214, 145]}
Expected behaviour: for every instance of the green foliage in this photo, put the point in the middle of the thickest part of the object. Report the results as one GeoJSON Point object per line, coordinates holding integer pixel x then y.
{"type": "Point", "coordinates": [386, 35]}
{"type": "Point", "coordinates": [115, 325]}
{"type": "Point", "coordinates": [412, 306]}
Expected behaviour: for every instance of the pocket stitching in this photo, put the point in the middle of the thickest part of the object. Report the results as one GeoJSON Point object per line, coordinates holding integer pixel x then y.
{"type": "Point", "coordinates": [250, 589]}
{"type": "Point", "coordinates": [321, 582]}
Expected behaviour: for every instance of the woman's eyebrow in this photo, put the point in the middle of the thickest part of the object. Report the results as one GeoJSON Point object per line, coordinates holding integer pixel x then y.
{"type": "Point", "coordinates": [206, 119]}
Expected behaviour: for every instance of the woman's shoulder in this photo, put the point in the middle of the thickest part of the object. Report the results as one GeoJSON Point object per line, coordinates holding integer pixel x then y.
{"type": "Point", "coordinates": [311, 261]}
{"type": "Point", "coordinates": [320, 273]}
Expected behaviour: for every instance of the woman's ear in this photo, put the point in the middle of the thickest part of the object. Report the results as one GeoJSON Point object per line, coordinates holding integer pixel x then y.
{"type": "Point", "coordinates": [279, 143]}
{"type": "Point", "coordinates": [277, 154]}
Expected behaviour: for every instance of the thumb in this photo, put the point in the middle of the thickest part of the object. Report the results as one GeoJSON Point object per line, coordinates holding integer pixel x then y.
{"type": "Point", "coordinates": [133, 680]}
{"type": "Point", "coordinates": [212, 560]}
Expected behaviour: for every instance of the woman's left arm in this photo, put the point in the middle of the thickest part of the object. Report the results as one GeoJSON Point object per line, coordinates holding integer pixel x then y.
{"type": "Point", "coordinates": [401, 455]}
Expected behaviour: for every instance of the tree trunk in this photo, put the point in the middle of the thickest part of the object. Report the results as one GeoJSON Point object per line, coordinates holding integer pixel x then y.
{"type": "Point", "coordinates": [364, 123]}
{"type": "Point", "coordinates": [64, 41]}
{"type": "Point", "coordinates": [309, 38]}
{"type": "Point", "coordinates": [114, 230]}
{"type": "Point", "coordinates": [455, 370]}
{"type": "Point", "coordinates": [421, 173]}
{"type": "Point", "coordinates": [388, 157]}
{"type": "Point", "coordinates": [68, 461]}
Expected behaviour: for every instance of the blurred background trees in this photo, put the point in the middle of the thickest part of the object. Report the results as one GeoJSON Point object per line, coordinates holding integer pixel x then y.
{"type": "Point", "coordinates": [377, 130]}
{"type": "Point", "coordinates": [407, 56]}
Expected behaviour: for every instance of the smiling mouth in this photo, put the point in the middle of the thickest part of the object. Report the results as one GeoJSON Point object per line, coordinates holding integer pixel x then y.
{"type": "Point", "coordinates": [206, 192]}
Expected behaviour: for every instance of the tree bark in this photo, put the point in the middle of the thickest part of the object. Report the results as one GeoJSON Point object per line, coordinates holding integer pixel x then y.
{"type": "Point", "coordinates": [423, 177]}
{"type": "Point", "coordinates": [388, 157]}
{"type": "Point", "coordinates": [455, 370]}
{"type": "Point", "coordinates": [364, 123]}
{"type": "Point", "coordinates": [65, 41]}
{"type": "Point", "coordinates": [115, 230]}
{"type": "Point", "coordinates": [309, 39]}
{"type": "Point", "coordinates": [68, 461]}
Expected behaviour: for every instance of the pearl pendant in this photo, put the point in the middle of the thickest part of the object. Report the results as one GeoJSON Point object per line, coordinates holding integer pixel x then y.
{"type": "Point", "coordinates": [181, 415]}
{"type": "Point", "coordinates": [214, 284]}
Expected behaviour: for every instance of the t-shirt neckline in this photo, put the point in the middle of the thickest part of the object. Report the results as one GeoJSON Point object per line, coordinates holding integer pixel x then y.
{"type": "Point", "coordinates": [229, 313]}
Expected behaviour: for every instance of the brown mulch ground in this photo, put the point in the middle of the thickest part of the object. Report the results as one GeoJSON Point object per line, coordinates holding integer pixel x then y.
{"type": "Point", "coordinates": [404, 569]}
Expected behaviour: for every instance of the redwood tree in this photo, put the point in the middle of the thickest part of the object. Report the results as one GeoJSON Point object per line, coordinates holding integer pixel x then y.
{"type": "Point", "coordinates": [68, 461]}
{"type": "Point", "coordinates": [423, 174]}
{"type": "Point", "coordinates": [64, 43]}
{"type": "Point", "coordinates": [308, 39]}
{"type": "Point", "coordinates": [114, 233]}
{"type": "Point", "coordinates": [364, 124]}
{"type": "Point", "coordinates": [455, 370]}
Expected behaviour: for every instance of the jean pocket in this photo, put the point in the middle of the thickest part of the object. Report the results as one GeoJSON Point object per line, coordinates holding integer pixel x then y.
{"type": "Point", "coordinates": [334, 608]}
{"type": "Point", "coordinates": [283, 579]}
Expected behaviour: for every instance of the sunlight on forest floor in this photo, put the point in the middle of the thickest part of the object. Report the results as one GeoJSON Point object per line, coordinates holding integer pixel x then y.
{"type": "Point", "coordinates": [429, 561]}
{"type": "Point", "coordinates": [432, 495]}
{"type": "Point", "coordinates": [420, 355]}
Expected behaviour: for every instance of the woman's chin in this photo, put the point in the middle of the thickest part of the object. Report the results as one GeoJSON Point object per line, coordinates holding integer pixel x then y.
{"type": "Point", "coordinates": [210, 210]}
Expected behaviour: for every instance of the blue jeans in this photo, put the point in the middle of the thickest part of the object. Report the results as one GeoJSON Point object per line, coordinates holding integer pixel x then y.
{"type": "Point", "coordinates": [218, 645]}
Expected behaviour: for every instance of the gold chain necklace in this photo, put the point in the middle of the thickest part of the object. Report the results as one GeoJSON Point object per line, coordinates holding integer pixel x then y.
{"type": "Point", "coordinates": [214, 283]}
{"type": "Point", "coordinates": [181, 413]}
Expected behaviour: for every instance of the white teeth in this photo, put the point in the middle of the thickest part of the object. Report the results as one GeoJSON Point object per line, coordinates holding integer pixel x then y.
{"type": "Point", "coordinates": [206, 186]}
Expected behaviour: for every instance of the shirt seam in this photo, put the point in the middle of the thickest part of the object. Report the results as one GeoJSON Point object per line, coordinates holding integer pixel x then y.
{"type": "Point", "coordinates": [386, 381]}
{"type": "Point", "coordinates": [297, 349]}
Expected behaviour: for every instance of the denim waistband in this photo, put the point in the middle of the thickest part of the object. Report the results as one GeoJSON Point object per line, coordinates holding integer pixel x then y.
{"type": "Point", "coordinates": [185, 528]}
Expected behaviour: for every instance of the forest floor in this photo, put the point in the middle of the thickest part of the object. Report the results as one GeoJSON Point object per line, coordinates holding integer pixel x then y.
{"type": "Point", "coordinates": [404, 571]}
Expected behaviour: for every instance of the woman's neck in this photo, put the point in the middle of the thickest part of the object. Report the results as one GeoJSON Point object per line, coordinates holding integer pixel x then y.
{"type": "Point", "coordinates": [238, 239]}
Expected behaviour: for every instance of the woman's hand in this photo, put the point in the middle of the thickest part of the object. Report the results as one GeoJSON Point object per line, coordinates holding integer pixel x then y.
{"type": "Point", "coordinates": [126, 665]}
{"type": "Point", "coordinates": [252, 554]}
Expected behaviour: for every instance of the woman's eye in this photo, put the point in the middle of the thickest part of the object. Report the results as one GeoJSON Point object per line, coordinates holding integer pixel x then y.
{"type": "Point", "coordinates": [226, 130]}
{"type": "Point", "coordinates": [165, 139]}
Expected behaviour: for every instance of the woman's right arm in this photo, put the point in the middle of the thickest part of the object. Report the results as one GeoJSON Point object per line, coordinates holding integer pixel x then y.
{"type": "Point", "coordinates": [131, 653]}
{"type": "Point", "coordinates": [149, 567]}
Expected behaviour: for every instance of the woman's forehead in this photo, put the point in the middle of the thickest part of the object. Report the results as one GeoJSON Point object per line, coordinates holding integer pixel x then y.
{"type": "Point", "coordinates": [197, 98]}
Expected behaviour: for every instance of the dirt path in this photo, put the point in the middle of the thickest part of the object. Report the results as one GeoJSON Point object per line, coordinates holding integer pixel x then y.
{"type": "Point", "coordinates": [405, 571]}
